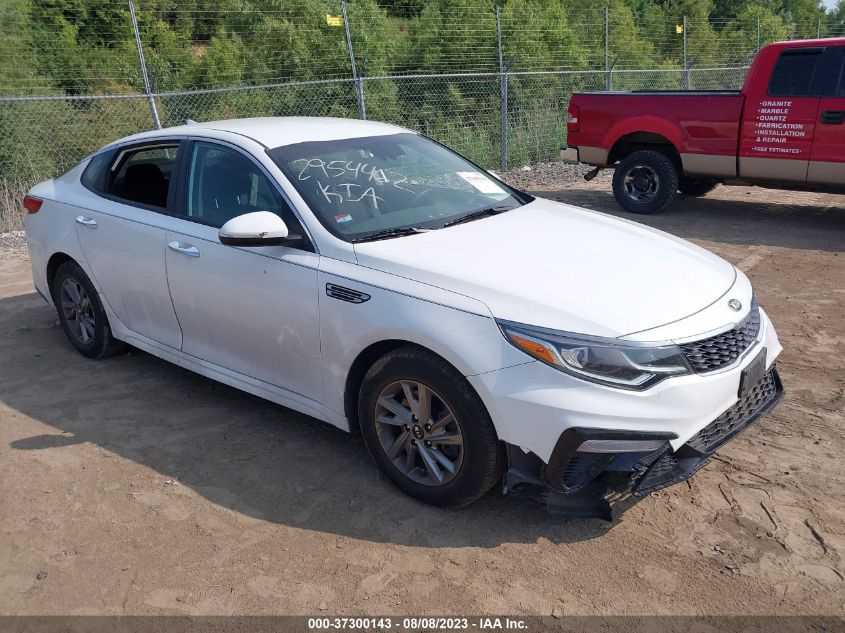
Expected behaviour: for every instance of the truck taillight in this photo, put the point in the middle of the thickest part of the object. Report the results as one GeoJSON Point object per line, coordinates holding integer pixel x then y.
{"type": "Point", "coordinates": [572, 114]}
{"type": "Point", "coordinates": [32, 205]}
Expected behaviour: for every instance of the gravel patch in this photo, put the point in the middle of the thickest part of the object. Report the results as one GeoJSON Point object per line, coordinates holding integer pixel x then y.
{"type": "Point", "coordinates": [12, 243]}
{"type": "Point", "coordinates": [548, 176]}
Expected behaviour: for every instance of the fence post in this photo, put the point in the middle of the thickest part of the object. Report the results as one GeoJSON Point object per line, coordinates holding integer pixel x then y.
{"type": "Point", "coordinates": [819, 29]}
{"type": "Point", "coordinates": [359, 87]}
{"type": "Point", "coordinates": [686, 63]}
{"type": "Point", "coordinates": [143, 63]}
{"type": "Point", "coordinates": [503, 92]}
{"type": "Point", "coordinates": [758, 32]}
{"type": "Point", "coordinates": [608, 78]}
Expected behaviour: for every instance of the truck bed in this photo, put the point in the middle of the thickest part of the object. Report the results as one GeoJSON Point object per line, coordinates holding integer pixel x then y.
{"type": "Point", "coordinates": [700, 122]}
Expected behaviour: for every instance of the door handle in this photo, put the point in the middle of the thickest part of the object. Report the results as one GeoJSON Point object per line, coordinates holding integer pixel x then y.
{"type": "Point", "coordinates": [832, 117]}
{"type": "Point", "coordinates": [185, 249]}
{"type": "Point", "coordinates": [91, 223]}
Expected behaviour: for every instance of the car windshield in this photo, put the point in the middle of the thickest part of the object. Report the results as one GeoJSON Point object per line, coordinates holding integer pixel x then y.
{"type": "Point", "coordinates": [386, 186]}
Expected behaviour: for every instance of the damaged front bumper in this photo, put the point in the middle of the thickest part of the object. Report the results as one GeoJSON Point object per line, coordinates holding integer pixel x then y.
{"type": "Point", "coordinates": [591, 468]}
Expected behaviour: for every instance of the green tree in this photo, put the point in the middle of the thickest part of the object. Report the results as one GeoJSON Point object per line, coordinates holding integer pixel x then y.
{"type": "Point", "coordinates": [739, 38]}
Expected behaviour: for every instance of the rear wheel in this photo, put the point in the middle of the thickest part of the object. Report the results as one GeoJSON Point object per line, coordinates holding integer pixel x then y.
{"type": "Point", "coordinates": [697, 187]}
{"type": "Point", "coordinates": [427, 429]}
{"type": "Point", "coordinates": [81, 313]}
{"type": "Point", "coordinates": [645, 181]}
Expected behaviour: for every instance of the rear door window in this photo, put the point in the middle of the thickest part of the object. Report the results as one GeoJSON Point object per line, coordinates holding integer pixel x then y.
{"type": "Point", "coordinates": [835, 85]}
{"type": "Point", "coordinates": [799, 72]}
{"type": "Point", "coordinates": [94, 176]}
{"type": "Point", "coordinates": [143, 176]}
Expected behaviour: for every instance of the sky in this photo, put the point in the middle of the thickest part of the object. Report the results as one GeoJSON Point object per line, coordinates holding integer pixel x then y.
{"type": "Point", "coordinates": [829, 4]}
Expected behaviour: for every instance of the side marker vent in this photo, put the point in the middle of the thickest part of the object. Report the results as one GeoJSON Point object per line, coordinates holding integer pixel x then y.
{"type": "Point", "coordinates": [346, 294]}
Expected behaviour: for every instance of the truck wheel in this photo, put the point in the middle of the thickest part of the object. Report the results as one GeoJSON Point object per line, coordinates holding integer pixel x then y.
{"type": "Point", "coordinates": [645, 182]}
{"type": "Point", "coordinates": [697, 187]}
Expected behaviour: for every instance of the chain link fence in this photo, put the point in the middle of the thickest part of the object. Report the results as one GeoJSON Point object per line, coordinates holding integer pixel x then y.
{"type": "Point", "coordinates": [486, 81]}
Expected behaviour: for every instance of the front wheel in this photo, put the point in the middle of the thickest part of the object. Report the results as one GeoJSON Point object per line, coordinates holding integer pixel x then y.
{"type": "Point", "coordinates": [427, 429]}
{"type": "Point", "coordinates": [645, 182]}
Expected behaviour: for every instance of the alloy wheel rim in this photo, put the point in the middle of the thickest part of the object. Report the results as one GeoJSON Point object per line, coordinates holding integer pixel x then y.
{"type": "Point", "coordinates": [419, 433]}
{"type": "Point", "coordinates": [641, 183]}
{"type": "Point", "coordinates": [77, 310]}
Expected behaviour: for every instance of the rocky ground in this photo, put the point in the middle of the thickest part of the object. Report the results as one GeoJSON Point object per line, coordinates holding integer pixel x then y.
{"type": "Point", "coordinates": [13, 244]}
{"type": "Point", "coordinates": [550, 176]}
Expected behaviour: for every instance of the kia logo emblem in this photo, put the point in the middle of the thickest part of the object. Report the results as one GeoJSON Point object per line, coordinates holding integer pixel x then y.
{"type": "Point", "coordinates": [735, 305]}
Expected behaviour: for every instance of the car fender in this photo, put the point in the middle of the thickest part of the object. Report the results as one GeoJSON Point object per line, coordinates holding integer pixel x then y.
{"type": "Point", "coordinates": [376, 307]}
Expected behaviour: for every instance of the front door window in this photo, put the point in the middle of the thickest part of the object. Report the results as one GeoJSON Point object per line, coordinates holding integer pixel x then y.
{"type": "Point", "coordinates": [223, 184]}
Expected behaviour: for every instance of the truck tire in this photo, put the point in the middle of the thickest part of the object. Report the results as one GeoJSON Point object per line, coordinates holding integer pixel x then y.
{"type": "Point", "coordinates": [645, 182]}
{"type": "Point", "coordinates": [697, 187]}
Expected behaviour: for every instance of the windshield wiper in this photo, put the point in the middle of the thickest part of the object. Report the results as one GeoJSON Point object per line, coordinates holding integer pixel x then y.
{"type": "Point", "coordinates": [476, 215]}
{"type": "Point", "coordinates": [413, 230]}
{"type": "Point", "coordinates": [388, 233]}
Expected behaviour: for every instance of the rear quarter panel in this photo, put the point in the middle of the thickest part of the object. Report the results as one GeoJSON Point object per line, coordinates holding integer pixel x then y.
{"type": "Point", "coordinates": [53, 229]}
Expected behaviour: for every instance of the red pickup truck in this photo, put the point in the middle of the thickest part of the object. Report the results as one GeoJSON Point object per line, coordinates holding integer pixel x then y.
{"type": "Point", "coordinates": [785, 129]}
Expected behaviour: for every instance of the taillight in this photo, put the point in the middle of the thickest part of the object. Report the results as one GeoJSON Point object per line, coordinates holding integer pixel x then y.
{"type": "Point", "coordinates": [572, 114]}
{"type": "Point", "coordinates": [32, 205]}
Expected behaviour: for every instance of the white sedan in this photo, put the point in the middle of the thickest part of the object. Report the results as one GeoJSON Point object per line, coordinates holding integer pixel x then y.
{"type": "Point", "coordinates": [370, 277]}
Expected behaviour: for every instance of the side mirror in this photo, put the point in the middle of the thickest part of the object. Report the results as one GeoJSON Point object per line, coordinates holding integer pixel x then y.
{"type": "Point", "coordinates": [259, 228]}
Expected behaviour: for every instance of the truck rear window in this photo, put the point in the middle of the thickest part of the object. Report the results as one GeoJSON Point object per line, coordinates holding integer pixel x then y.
{"type": "Point", "coordinates": [797, 73]}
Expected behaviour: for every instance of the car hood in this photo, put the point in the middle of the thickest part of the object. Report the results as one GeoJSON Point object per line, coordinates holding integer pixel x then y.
{"type": "Point", "coordinates": [557, 266]}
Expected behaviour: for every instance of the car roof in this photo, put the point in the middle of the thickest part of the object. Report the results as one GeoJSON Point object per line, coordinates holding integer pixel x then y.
{"type": "Point", "coordinates": [277, 131]}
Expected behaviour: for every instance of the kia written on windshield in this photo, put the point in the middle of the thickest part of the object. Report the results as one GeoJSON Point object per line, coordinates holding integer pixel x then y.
{"type": "Point", "coordinates": [386, 186]}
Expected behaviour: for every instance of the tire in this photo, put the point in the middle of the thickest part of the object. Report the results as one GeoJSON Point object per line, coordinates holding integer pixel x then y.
{"type": "Point", "coordinates": [697, 187]}
{"type": "Point", "coordinates": [84, 319]}
{"type": "Point", "coordinates": [477, 463]}
{"type": "Point", "coordinates": [645, 182]}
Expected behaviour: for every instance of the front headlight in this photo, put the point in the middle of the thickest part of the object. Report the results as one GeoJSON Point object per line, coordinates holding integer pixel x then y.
{"type": "Point", "coordinates": [606, 361]}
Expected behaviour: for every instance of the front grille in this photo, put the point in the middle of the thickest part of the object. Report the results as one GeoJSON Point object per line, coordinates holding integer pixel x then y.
{"type": "Point", "coordinates": [668, 470]}
{"type": "Point", "coordinates": [671, 467]}
{"type": "Point", "coordinates": [719, 351]}
{"type": "Point", "coordinates": [583, 467]}
{"type": "Point", "coordinates": [662, 466]}
{"type": "Point", "coordinates": [739, 416]}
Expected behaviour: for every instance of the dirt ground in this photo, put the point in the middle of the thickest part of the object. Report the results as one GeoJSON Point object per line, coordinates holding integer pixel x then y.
{"type": "Point", "coordinates": [132, 486]}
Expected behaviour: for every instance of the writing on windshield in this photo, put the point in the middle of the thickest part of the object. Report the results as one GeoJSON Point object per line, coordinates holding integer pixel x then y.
{"type": "Point", "coordinates": [342, 181]}
{"type": "Point", "coordinates": [369, 185]}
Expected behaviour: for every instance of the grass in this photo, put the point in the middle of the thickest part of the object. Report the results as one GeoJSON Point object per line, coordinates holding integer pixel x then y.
{"type": "Point", "coordinates": [11, 211]}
